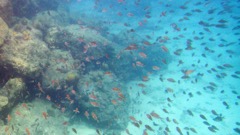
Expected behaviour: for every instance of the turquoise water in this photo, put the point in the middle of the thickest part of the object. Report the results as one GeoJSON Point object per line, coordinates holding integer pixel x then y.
{"type": "Point", "coordinates": [118, 67]}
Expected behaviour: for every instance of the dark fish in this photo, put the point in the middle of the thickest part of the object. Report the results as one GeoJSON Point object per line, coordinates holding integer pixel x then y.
{"type": "Point", "coordinates": [237, 72]}
{"type": "Point", "coordinates": [179, 130]}
{"type": "Point", "coordinates": [149, 128]}
{"type": "Point", "coordinates": [237, 130]}
{"type": "Point", "coordinates": [214, 112]}
{"type": "Point", "coordinates": [213, 84]}
{"type": "Point", "coordinates": [155, 124]}
{"type": "Point", "coordinates": [127, 131]}
{"type": "Point", "coordinates": [235, 76]}
{"type": "Point", "coordinates": [211, 129]}
{"type": "Point", "coordinates": [190, 112]}
{"type": "Point", "coordinates": [136, 124]}
{"type": "Point", "coordinates": [164, 110]}
{"type": "Point", "coordinates": [98, 132]}
{"type": "Point", "coordinates": [211, 11]}
{"type": "Point", "coordinates": [203, 117]}
{"type": "Point", "coordinates": [175, 121]}
{"type": "Point", "coordinates": [74, 130]}
{"type": "Point", "coordinates": [226, 104]}
{"type": "Point", "coordinates": [236, 28]}
{"type": "Point", "coordinates": [149, 116]}
{"type": "Point", "coordinates": [193, 130]}
{"type": "Point", "coordinates": [206, 123]}
{"type": "Point", "coordinates": [167, 129]}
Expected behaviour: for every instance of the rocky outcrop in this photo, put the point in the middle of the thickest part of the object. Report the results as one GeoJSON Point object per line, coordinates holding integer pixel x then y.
{"type": "Point", "coordinates": [10, 93]}
{"type": "Point", "coordinates": [4, 31]}
{"type": "Point", "coordinates": [6, 10]}
{"type": "Point", "coordinates": [104, 96]}
{"type": "Point", "coordinates": [24, 53]}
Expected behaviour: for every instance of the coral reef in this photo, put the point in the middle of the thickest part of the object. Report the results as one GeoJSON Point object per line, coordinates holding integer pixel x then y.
{"type": "Point", "coordinates": [24, 54]}
{"type": "Point", "coordinates": [6, 10]}
{"type": "Point", "coordinates": [11, 92]}
{"type": "Point", "coordinates": [3, 31]}
{"type": "Point", "coordinates": [3, 102]}
{"type": "Point", "coordinates": [29, 8]}
{"type": "Point", "coordinates": [35, 116]}
{"type": "Point", "coordinates": [62, 71]}
{"type": "Point", "coordinates": [103, 95]}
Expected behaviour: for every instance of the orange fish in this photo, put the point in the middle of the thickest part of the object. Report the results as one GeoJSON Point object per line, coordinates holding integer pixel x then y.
{"type": "Point", "coordinates": [120, 95]}
{"type": "Point", "coordinates": [48, 97]}
{"type": "Point", "coordinates": [155, 68]}
{"type": "Point", "coordinates": [40, 87]}
{"type": "Point", "coordinates": [86, 114]}
{"type": "Point", "coordinates": [76, 110]}
{"type": "Point", "coordinates": [188, 72]}
{"type": "Point", "coordinates": [6, 128]}
{"type": "Point", "coordinates": [133, 119]}
{"type": "Point", "coordinates": [114, 102]}
{"type": "Point", "coordinates": [131, 47]}
{"type": "Point", "coordinates": [68, 97]}
{"type": "Point", "coordinates": [116, 89]}
{"type": "Point", "coordinates": [18, 113]}
{"type": "Point", "coordinates": [65, 123]}
{"type": "Point", "coordinates": [107, 73]}
{"type": "Point", "coordinates": [142, 54]}
{"type": "Point", "coordinates": [9, 118]}
{"type": "Point", "coordinates": [27, 131]}
{"type": "Point", "coordinates": [164, 48]}
{"type": "Point", "coordinates": [24, 105]}
{"type": "Point", "coordinates": [139, 64]}
{"type": "Point", "coordinates": [73, 92]}
{"type": "Point", "coordinates": [95, 104]}
{"type": "Point", "coordinates": [92, 96]}
{"type": "Point", "coordinates": [145, 78]}
{"type": "Point", "coordinates": [45, 115]}
{"type": "Point", "coordinates": [94, 116]}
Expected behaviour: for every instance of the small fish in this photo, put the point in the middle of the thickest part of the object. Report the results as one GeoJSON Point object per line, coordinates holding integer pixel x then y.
{"type": "Point", "coordinates": [74, 130]}
{"type": "Point", "coordinates": [149, 116]}
{"type": "Point", "coordinates": [175, 121]}
{"type": "Point", "coordinates": [164, 110]}
{"type": "Point", "coordinates": [155, 68]}
{"type": "Point", "coordinates": [95, 104]}
{"type": "Point", "coordinates": [149, 128]}
{"type": "Point", "coordinates": [45, 115]}
{"type": "Point", "coordinates": [131, 47]}
{"type": "Point", "coordinates": [164, 48]}
{"type": "Point", "coordinates": [94, 116]}
{"type": "Point", "coordinates": [132, 118]}
{"type": "Point", "coordinates": [203, 117]}
{"type": "Point", "coordinates": [214, 112]}
{"type": "Point", "coordinates": [86, 114]}
{"type": "Point", "coordinates": [226, 104]}
{"type": "Point", "coordinates": [211, 129]}
{"type": "Point", "coordinates": [9, 118]}
{"type": "Point", "coordinates": [135, 124]}
{"type": "Point", "coordinates": [27, 131]}
{"type": "Point", "coordinates": [98, 131]}
{"type": "Point", "coordinates": [142, 54]}
{"type": "Point", "coordinates": [127, 131]}
{"type": "Point", "coordinates": [237, 130]}
{"type": "Point", "coordinates": [155, 115]}
{"type": "Point", "coordinates": [171, 80]}
{"type": "Point", "coordinates": [193, 130]}
{"type": "Point", "coordinates": [179, 130]}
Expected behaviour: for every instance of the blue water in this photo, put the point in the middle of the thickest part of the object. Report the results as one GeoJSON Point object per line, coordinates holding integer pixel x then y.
{"type": "Point", "coordinates": [141, 67]}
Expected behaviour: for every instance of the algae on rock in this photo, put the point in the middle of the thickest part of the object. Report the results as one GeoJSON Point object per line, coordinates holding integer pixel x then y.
{"type": "Point", "coordinates": [3, 31]}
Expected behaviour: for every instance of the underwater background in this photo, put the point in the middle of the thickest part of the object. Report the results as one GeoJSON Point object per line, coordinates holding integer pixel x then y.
{"type": "Point", "coordinates": [119, 67]}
